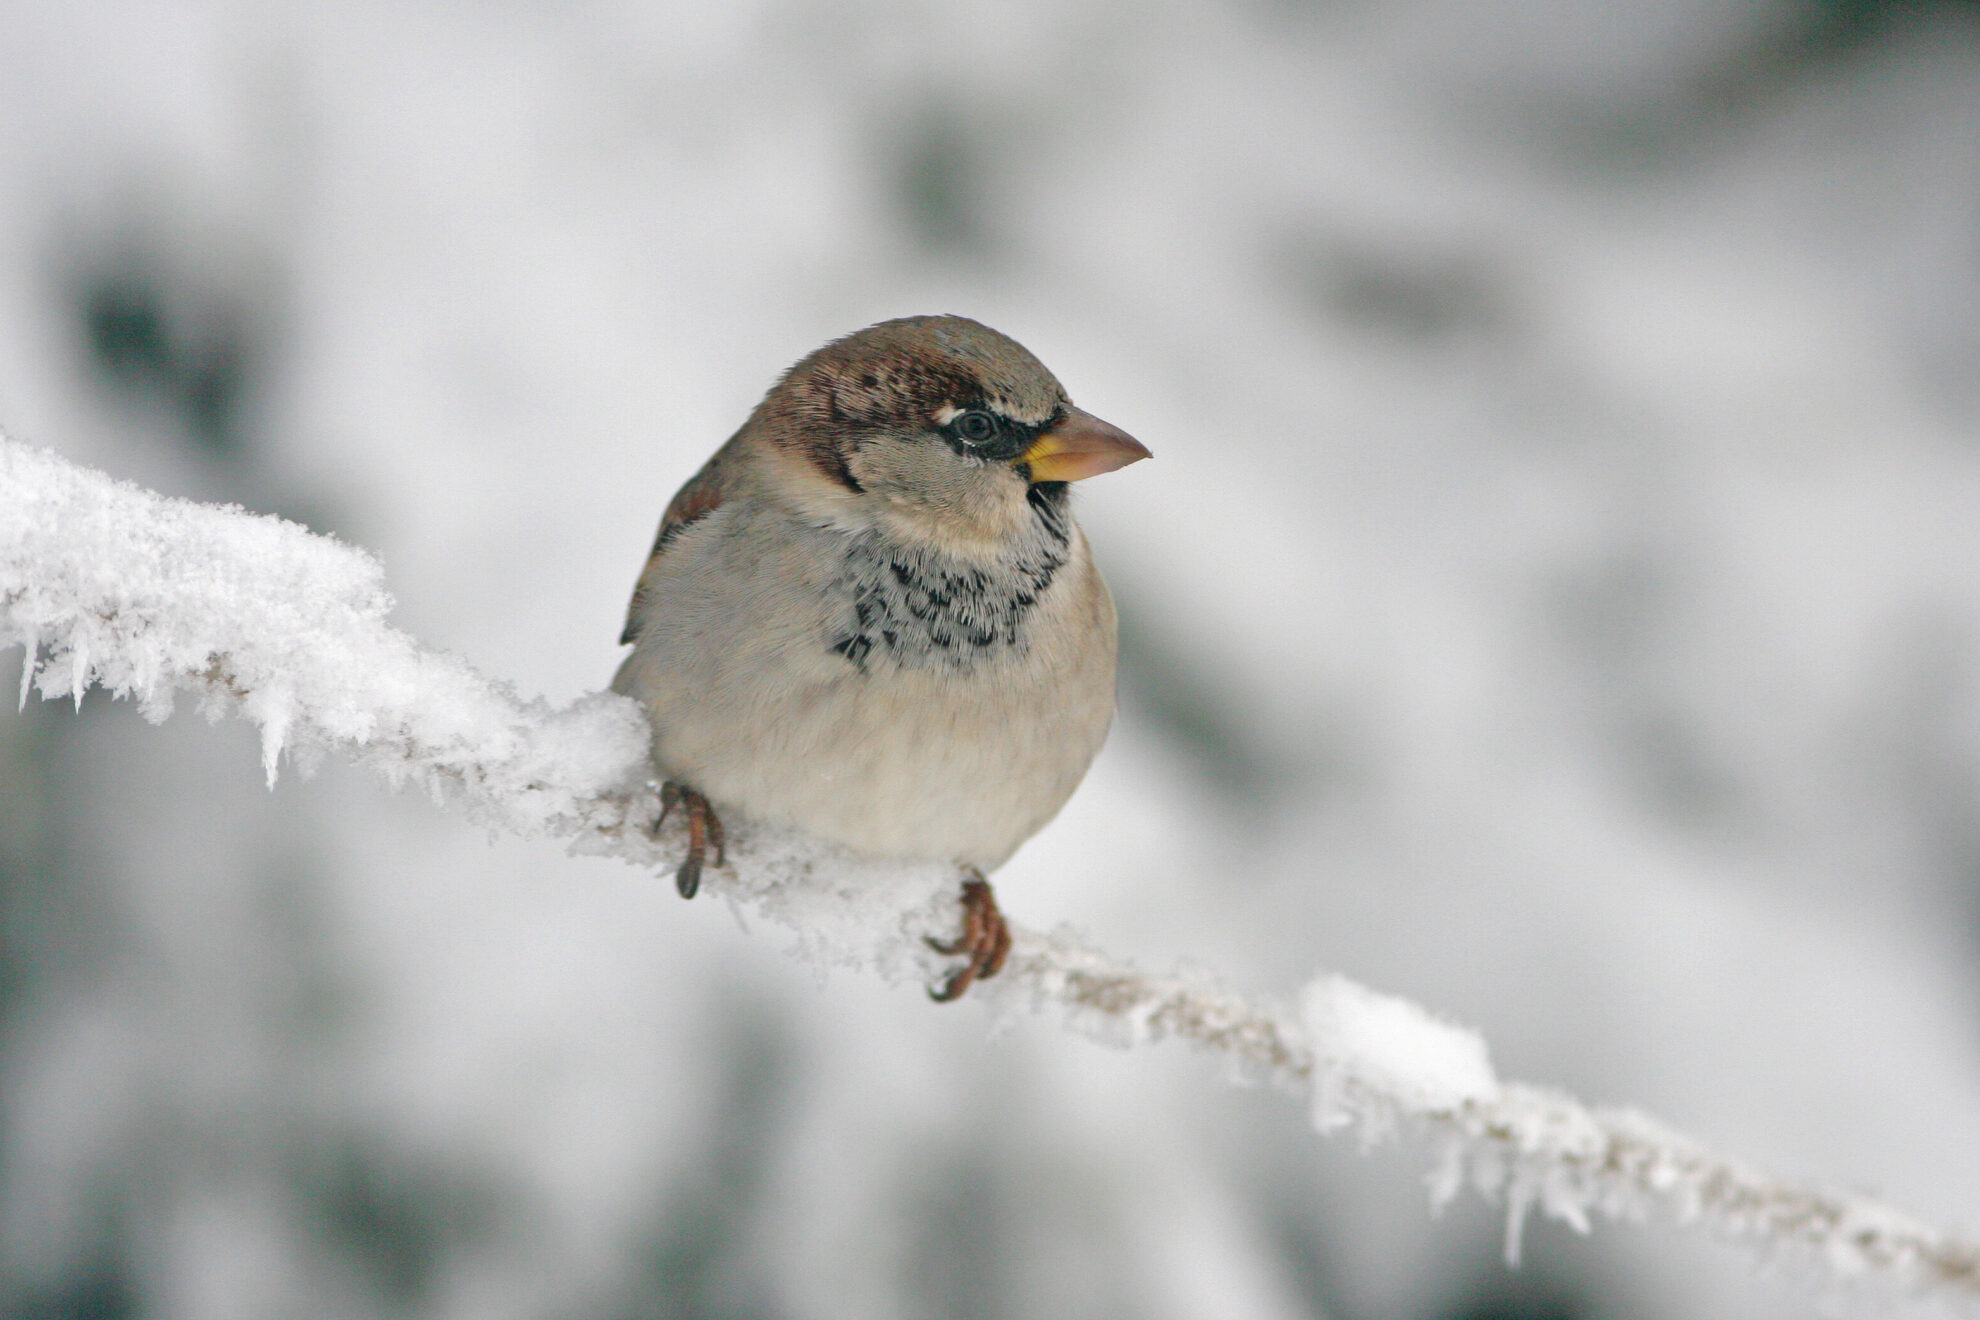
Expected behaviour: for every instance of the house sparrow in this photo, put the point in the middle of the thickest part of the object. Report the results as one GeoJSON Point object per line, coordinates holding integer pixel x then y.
{"type": "Point", "coordinates": [871, 615]}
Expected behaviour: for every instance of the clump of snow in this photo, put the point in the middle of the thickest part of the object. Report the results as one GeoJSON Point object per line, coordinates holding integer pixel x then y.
{"type": "Point", "coordinates": [107, 584]}
{"type": "Point", "coordinates": [1368, 1044]}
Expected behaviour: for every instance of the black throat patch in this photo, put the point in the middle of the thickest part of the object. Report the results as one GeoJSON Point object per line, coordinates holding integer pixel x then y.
{"type": "Point", "coordinates": [918, 609]}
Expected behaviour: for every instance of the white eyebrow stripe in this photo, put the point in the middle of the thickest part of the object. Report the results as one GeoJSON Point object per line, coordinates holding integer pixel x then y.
{"type": "Point", "coordinates": [948, 412]}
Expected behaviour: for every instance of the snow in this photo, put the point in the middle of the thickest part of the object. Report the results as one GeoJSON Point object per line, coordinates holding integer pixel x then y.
{"type": "Point", "coordinates": [1369, 1043]}
{"type": "Point", "coordinates": [144, 596]}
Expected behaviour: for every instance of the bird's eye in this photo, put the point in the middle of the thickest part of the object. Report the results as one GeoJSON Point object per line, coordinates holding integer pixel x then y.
{"type": "Point", "coordinates": [976, 426]}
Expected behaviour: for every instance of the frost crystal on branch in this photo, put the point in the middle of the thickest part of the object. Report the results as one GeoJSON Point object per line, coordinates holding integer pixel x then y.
{"type": "Point", "coordinates": [102, 583]}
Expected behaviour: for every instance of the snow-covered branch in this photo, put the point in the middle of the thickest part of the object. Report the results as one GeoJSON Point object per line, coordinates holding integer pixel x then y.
{"type": "Point", "coordinates": [105, 584]}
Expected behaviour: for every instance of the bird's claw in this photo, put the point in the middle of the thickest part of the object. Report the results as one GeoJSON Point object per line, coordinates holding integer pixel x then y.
{"type": "Point", "coordinates": [704, 829]}
{"type": "Point", "coordinates": [985, 941]}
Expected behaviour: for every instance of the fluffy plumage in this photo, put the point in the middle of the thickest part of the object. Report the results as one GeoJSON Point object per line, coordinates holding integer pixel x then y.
{"type": "Point", "coordinates": [871, 614]}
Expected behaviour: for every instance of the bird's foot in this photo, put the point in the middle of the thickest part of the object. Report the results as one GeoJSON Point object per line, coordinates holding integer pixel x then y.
{"type": "Point", "coordinates": [704, 830]}
{"type": "Point", "coordinates": [985, 940]}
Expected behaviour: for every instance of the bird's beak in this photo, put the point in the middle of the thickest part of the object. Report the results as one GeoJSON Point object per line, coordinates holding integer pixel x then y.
{"type": "Point", "coordinates": [1081, 446]}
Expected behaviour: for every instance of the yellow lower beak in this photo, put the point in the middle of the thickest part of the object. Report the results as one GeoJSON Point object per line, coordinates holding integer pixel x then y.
{"type": "Point", "coordinates": [1079, 447]}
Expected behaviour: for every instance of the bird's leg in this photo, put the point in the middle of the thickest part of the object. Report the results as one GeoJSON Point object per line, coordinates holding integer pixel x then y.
{"type": "Point", "coordinates": [704, 827]}
{"type": "Point", "coordinates": [985, 939]}
{"type": "Point", "coordinates": [716, 834]}
{"type": "Point", "coordinates": [688, 878]}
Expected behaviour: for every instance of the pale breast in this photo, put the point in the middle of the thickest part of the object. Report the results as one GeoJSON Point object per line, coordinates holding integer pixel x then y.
{"type": "Point", "coordinates": [895, 704]}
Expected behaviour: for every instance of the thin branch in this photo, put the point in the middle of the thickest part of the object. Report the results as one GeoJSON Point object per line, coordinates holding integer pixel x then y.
{"type": "Point", "coordinates": [108, 585]}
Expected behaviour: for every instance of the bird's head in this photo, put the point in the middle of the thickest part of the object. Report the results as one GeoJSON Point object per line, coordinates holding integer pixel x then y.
{"type": "Point", "coordinates": [940, 427]}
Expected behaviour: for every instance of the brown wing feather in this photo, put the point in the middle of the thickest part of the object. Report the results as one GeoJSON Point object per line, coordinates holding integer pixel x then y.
{"type": "Point", "coordinates": [705, 492]}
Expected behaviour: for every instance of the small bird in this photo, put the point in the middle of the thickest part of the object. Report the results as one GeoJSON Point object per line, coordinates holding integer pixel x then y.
{"type": "Point", "coordinates": [871, 615]}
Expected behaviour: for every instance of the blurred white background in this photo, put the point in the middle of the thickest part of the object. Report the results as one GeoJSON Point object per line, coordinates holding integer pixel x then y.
{"type": "Point", "coordinates": [1556, 598]}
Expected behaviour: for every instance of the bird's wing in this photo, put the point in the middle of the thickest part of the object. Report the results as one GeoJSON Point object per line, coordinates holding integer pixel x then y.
{"type": "Point", "coordinates": [705, 492]}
